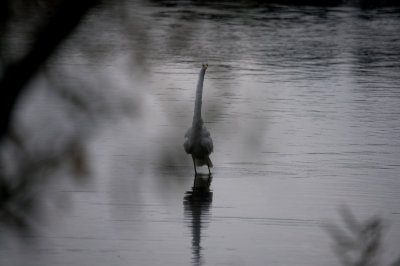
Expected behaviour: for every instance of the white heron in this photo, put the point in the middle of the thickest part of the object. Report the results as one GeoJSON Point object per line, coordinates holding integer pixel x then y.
{"type": "Point", "coordinates": [198, 141]}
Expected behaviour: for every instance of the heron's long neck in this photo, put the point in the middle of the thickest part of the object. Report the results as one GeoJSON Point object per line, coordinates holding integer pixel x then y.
{"type": "Point", "coordinates": [197, 121]}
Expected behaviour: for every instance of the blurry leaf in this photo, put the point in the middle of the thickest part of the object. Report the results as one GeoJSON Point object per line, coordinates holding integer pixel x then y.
{"type": "Point", "coordinates": [360, 246]}
{"type": "Point", "coordinates": [349, 220]}
{"type": "Point", "coordinates": [396, 262]}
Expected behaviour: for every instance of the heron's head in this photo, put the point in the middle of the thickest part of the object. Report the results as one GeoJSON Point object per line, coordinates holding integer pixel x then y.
{"type": "Point", "coordinates": [205, 65]}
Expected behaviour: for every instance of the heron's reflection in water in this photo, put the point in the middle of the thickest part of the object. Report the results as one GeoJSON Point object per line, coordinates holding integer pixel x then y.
{"type": "Point", "coordinates": [197, 203]}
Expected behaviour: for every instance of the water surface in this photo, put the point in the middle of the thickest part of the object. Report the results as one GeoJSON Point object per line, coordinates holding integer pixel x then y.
{"type": "Point", "coordinates": [303, 105]}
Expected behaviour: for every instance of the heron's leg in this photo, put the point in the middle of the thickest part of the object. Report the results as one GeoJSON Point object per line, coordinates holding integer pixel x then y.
{"type": "Point", "coordinates": [209, 172]}
{"type": "Point", "coordinates": [194, 182]}
{"type": "Point", "coordinates": [209, 180]}
{"type": "Point", "coordinates": [195, 172]}
{"type": "Point", "coordinates": [194, 164]}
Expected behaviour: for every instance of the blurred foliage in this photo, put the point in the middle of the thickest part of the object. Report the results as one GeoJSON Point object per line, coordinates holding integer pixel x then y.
{"type": "Point", "coordinates": [359, 244]}
{"type": "Point", "coordinates": [25, 173]}
{"type": "Point", "coordinates": [30, 32]}
{"type": "Point", "coordinates": [41, 145]}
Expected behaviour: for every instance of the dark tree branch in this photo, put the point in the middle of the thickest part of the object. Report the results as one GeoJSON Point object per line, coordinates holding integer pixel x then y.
{"type": "Point", "coordinates": [17, 75]}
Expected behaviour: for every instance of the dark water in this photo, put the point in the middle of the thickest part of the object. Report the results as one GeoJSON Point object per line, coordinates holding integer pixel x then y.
{"type": "Point", "coordinates": [303, 105]}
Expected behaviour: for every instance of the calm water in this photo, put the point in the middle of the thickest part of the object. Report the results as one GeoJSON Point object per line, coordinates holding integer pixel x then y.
{"type": "Point", "coordinates": [303, 105]}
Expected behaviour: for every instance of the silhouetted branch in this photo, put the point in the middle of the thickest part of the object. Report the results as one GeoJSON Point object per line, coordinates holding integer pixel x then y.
{"type": "Point", "coordinates": [29, 168]}
{"type": "Point", "coordinates": [17, 75]}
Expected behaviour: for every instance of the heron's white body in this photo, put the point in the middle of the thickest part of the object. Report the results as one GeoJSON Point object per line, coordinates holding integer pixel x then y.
{"type": "Point", "coordinates": [198, 141]}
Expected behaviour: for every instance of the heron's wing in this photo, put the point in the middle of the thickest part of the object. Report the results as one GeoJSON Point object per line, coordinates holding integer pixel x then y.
{"type": "Point", "coordinates": [206, 141]}
{"type": "Point", "coordinates": [187, 144]}
{"type": "Point", "coordinates": [207, 144]}
{"type": "Point", "coordinates": [204, 132]}
{"type": "Point", "coordinates": [188, 132]}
